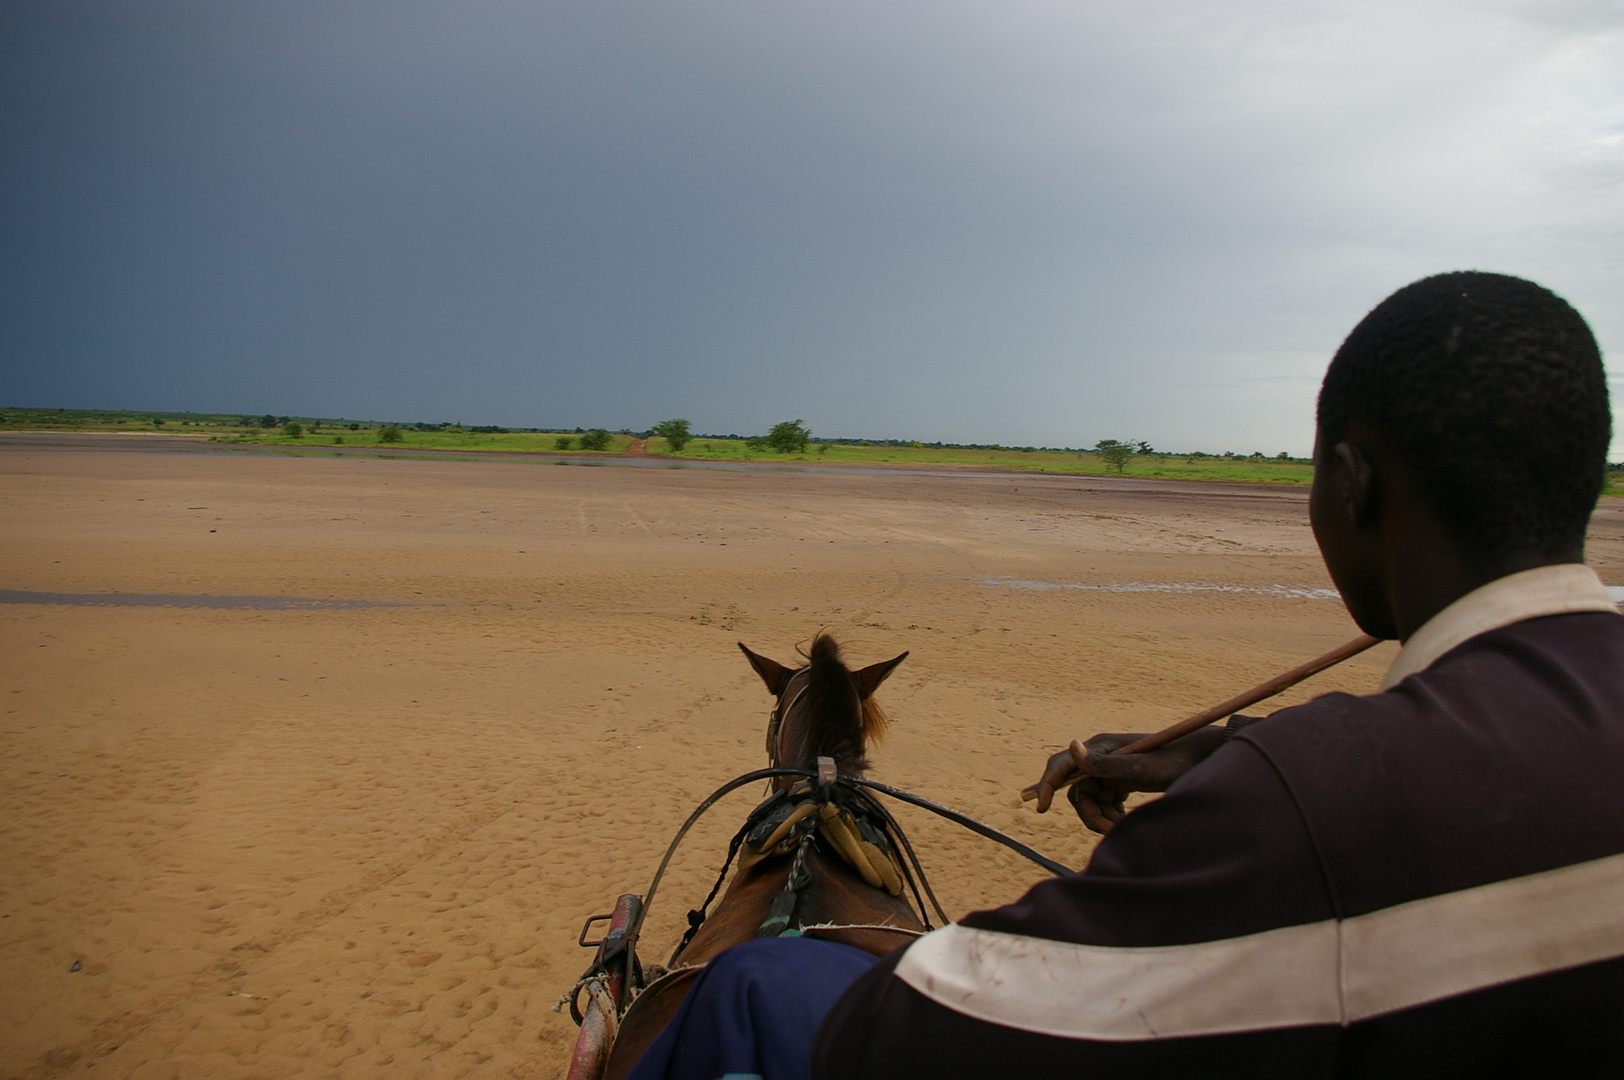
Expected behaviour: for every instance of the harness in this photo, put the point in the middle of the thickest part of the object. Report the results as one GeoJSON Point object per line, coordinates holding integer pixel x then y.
{"type": "Point", "coordinates": [840, 810]}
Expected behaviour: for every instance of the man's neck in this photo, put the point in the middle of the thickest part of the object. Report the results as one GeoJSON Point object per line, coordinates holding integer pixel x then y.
{"type": "Point", "coordinates": [1433, 574]}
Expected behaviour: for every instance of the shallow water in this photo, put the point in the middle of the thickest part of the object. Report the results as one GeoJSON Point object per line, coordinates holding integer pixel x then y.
{"type": "Point", "coordinates": [1296, 592]}
{"type": "Point", "coordinates": [1615, 591]}
{"type": "Point", "coordinates": [183, 600]}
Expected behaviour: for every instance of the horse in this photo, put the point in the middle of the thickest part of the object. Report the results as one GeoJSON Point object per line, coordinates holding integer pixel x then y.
{"type": "Point", "coordinates": [823, 710]}
{"type": "Point", "coordinates": [819, 857]}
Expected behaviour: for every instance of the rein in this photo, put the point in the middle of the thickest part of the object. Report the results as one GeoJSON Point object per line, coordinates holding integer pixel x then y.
{"type": "Point", "coordinates": [853, 784]}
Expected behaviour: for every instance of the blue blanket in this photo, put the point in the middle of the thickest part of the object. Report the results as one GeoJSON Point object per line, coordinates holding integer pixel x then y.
{"type": "Point", "coordinates": [753, 1012]}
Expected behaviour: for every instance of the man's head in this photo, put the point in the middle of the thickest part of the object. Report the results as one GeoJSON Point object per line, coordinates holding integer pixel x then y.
{"type": "Point", "coordinates": [1483, 397]}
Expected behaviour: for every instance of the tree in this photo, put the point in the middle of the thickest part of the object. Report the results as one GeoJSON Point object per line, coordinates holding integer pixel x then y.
{"type": "Point", "coordinates": [1115, 454]}
{"type": "Point", "coordinates": [390, 433]}
{"type": "Point", "coordinates": [674, 432]}
{"type": "Point", "coordinates": [596, 439]}
{"type": "Point", "coordinates": [789, 437]}
{"type": "Point", "coordinates": [293, 429]}
{"type": "Point", "coordinates": [267, 421]}
{"type": "Point", "coordinates": [563, 442]}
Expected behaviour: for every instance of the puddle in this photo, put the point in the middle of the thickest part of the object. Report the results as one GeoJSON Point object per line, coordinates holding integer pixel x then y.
{"type": "Point", "coordinates": [184, 600]}
{"type": "Point", "coordinates": [1615, 591]}
{"type": "Point", "coordinates": [1293, 592]}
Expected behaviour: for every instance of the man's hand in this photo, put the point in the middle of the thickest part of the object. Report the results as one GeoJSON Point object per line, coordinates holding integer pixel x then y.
{"type": "Point", "coordinates": [1107, 778]}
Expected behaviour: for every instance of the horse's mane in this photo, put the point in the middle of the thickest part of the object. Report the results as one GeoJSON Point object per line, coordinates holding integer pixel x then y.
{"type": "Point", "coordinates": [838, 723]}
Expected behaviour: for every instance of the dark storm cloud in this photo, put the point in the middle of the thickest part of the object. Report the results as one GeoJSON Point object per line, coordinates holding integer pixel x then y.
{"type": "Point", "coordinates": [1022, 223]}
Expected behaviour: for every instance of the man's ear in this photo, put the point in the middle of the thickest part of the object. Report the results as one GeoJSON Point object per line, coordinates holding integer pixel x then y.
{"type": "Point", "coordinates": [774, 674]}
{"type": "Point", "coordinates": [870, 678]}
{"type": "Point", "coordinates": [1355, 484]}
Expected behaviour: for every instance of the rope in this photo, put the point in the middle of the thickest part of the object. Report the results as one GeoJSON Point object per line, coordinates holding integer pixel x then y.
{"type": "Point", "coordinates": [862, 926]}
{"type": "Point", "coordinates": [776, 924]}
{"type": "Point", "coordinates": [965, 820]}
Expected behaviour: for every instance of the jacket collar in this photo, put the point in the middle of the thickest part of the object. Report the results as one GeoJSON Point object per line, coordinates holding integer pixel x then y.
{"type": "Point", "coordinates": [1531, 594]}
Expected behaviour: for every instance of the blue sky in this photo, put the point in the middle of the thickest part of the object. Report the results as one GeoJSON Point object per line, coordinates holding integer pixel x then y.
{"type": "Point", "coordinates": [1027, 223]}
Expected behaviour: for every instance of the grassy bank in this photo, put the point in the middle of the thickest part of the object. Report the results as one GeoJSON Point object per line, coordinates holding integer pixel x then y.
{"type": "Point", "coordinates": [318, 432]}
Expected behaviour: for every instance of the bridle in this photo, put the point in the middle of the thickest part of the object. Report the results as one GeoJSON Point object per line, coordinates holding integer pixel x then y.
{"type": "Point", "coordinates": [781, 709]}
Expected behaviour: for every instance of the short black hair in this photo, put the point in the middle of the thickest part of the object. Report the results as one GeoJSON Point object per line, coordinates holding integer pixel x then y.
{"type": "Point", "coordinates": [1491, 391]}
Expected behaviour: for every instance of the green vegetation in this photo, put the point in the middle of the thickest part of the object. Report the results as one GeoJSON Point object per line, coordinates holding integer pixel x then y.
{"type": "Point", "coordinates": [596, 439]}
{"type": "Point", "coordinates": [1115, 454]}
{"type": "Point", "coordinates": [674, 432]}
{"type": "Point", "coordinates": [789, 437]}
{"type": "Point", "coordinates": [251, 431]}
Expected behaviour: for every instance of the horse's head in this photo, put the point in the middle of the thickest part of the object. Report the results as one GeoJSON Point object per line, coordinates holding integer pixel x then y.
{"type": "Point", "coordinates": [824, 708]}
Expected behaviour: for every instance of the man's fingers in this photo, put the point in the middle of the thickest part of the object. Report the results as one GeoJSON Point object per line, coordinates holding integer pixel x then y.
{"type": "Point", "coordinates": [1126, 770]}
{"type": "Point", "coordinates": [1111, 741]}
{"type": "Point", "coordinates": [1055, 774]}
{"type": "Point", "coordinates": [1097, 817]}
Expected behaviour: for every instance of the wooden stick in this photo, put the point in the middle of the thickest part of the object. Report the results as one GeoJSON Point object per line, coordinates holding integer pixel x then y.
{"type": "Point", "coordinates": [1258, 693]}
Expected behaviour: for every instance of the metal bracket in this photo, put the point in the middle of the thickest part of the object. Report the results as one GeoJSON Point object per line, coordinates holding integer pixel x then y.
{"type": "Point", "coordinates": [582, 941]}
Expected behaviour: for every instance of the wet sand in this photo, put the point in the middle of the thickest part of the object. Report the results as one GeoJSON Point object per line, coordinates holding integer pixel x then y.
{"type": "Point", "coordinates": [327, 838]}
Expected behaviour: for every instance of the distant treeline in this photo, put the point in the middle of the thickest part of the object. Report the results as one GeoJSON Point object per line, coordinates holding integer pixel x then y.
{"type": "Point", "coordinates": [788, 436]}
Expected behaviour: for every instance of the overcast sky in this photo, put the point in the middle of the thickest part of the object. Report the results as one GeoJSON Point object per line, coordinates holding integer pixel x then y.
{"type": "Point", "coordinates": [1029, 223]}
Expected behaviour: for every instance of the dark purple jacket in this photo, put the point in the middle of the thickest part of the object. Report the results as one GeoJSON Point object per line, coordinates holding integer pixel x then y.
{"type": "Point", "coordinates": [1425, 881]}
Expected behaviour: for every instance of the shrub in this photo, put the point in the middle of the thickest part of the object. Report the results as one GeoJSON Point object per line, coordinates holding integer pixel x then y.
{"type": "Point", "coordinates": [563, 442]}
{"type": "Point", "coordinates": [674, 432]}
{"type": "Point", "coordinates": [293, 429]}
{"type": "Point", "coordinates": [789, 437]}
{"type": "Point", "coordinates": [267, 421]}
{"type": "Point", "coordinates": [355, 427]}
{"type": "Point", "coordinates": [596, 439]}
{"type": "Point", "coordinates": [390, 433]}
{"type": "Point", "coordinates": [1115, 454]}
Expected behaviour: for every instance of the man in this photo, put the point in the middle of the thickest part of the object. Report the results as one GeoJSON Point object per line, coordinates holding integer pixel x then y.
{"type": "Point", "coordinates": [1427, 880]}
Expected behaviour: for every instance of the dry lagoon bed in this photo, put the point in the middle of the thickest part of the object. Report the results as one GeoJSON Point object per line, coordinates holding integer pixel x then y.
{"type": "Point", "coordinates": [263, 838]}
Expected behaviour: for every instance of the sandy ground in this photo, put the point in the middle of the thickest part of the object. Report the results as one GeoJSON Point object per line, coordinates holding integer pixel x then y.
{"type": "Point", "coordinates": [361, 842]}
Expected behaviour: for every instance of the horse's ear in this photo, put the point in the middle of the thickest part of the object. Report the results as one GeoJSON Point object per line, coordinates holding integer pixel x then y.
{"type": "Point", "coordinates": [774, 674]}
{"type": "Point", "coordinates": [870, 678]}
